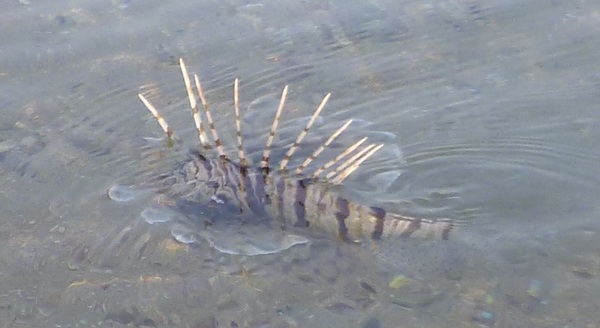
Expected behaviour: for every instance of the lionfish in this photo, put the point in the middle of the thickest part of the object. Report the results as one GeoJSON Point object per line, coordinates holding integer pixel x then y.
{"type": "Point", "coordinates": [291, 198]}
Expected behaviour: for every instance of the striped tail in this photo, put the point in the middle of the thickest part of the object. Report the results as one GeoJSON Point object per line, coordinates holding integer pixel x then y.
{"type": "Point", "coordinates": [312, 203]}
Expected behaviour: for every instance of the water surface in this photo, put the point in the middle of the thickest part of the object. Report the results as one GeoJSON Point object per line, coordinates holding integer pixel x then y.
{"type": "Point", "coordinates": [494, 108]}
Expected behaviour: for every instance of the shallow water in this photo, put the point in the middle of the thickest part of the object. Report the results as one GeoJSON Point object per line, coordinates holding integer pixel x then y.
{"type": "Point", "coordinates": [493, 109]}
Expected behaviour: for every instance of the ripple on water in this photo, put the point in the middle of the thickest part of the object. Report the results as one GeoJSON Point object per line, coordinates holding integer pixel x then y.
{"type": "Point", "coordinates": [522, 174]}
{"type": "Point", "coordinates": [506, 197]}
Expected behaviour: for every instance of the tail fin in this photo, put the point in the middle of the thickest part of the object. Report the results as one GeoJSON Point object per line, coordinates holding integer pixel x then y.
{"type": "Point", "coordinates": [405, 226]}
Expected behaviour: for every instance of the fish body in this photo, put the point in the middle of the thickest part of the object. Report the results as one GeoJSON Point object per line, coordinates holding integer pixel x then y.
{"type": "Point", "coordinates": [316, 204]}
{"type": "Point", "coordinates": [234, 190]}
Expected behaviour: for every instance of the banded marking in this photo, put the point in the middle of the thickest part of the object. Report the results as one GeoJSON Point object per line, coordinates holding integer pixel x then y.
{"type": "Point", "coordinates": [338, 158]}
{"type": "Point", "coordinates": [342, 213]}
{"type": "Point", "coordinates": [264, 164]}
{"type": "Point", "coordinates": [446, 232]}
{"type": "Point", "coordinates": [342, 176]}
{"type": "Point", "coordinates": [280, 190]}
{"type": "Point", "coordinates": [348, 162]}
{"type": "Point", "coordinates": [379, 215]}
{"type": "Point", "coordinates": [193, 105]}
{"type": "Point", "coordinates": [413, 226]}
{"type": "Point", "coordinates": [209, 119]}
{"type": "Point", "coordinates": [322, 147]}
{"type": "Point", "coordinates": [238, 125]}
{"type": "Point", "coordinates": [303, 133]}
{"type": "Point", "coordinates": [255, 190]}
{"type": "Point", "coordinates": [396, 225]}
{"type": "Point", "coordinates": [232, 182]}
{"type": "Point", "coordinates": [300, 203]}
{"type": "Point", "coordinates": [161, 121]}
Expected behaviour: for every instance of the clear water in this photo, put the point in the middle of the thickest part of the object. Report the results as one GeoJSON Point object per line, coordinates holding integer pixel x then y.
{"type": "Point", "coordinates": [493, 108]}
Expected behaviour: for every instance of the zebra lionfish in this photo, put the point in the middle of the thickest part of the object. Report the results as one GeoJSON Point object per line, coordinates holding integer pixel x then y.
{"type": "Point", "coordinates": [290, 198]}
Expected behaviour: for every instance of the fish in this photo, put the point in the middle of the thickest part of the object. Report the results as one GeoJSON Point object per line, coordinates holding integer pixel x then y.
{"type": "Point", "coordinates": [229, 189]}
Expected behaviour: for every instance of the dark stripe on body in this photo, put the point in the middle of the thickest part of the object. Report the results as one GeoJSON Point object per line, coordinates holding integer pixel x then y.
{"type": "Point", "coordinates": [415, 224]}
{"type": "Point", "coordinates": [198, 157]}
{"type": "Point", "coordinates": [252, 199]}
{"type": "Point", "coordinates": [259, 187]}
{"type": "Point", "coordinates": [299, 203]}
{"type": "Point", "coordinates": [242, 172]}
{"type": "Point", "coordinates": [446, 232]}
{"type": "Point", "coordinates": [207, 167]}
{"type": "Point", "coordinates": [379, 214]}
{"type": "Point", "coordinates": [197, 154]}
{"type": "Point", "coordinates": [220, 175]}
{"type": "Point", "coordinates": [342, 213]}
{"type": "Point", "coordinates": [280, 190]}
{"type": "Point", "coordinates": [260, 199]}
{"type": "Point", "coordinates": [232, 184]}
{"type": "Point", "coordinates": [265, 170]}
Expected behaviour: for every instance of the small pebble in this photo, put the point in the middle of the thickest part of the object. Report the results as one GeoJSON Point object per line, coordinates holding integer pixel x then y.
{"type": "Point", "coordinates": [399, 281]}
